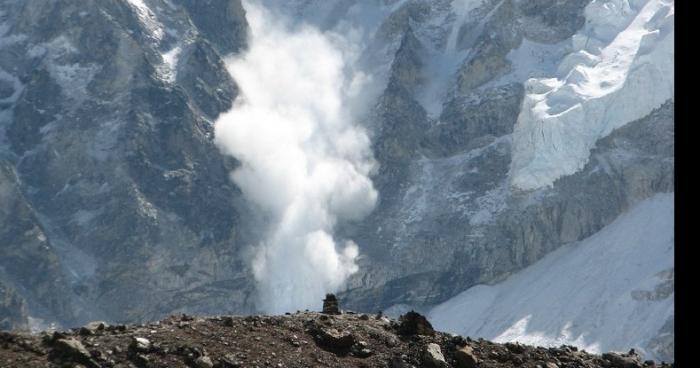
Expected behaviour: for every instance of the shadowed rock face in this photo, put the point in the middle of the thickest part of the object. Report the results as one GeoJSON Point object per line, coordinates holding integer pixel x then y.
{"type": "Point", "coordinates": [507, 23]}
{"type": "Point", "coordinates": [121, 204]}
{"type": "Point", "coordinates": [221, 22]}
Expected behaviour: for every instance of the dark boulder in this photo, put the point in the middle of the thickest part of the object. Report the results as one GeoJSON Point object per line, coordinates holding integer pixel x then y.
{"type": "Point", "coordinates": [414, 323]}
{"type": "Point", "coordinates": [72, 351]}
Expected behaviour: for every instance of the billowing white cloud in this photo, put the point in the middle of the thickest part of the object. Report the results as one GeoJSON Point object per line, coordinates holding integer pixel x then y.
{"type": "Point", "coordinates": [305, 162]}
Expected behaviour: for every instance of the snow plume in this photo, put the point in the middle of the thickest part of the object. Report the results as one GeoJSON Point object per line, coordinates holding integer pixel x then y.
{"type": "Point", "coordinates": [304, 162]}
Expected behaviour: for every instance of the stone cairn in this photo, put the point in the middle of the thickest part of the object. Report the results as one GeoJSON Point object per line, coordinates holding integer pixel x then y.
{"type": "Point", "coordinates": [330, 305]}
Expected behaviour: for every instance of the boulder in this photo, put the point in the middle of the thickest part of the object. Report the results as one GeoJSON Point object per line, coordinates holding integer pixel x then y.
{"type": "Point", "coordinates": [335, 339]}
{"type": "Point", "coordinates": [465, 357]}
{"type": "Point", "coordinates": [631, 360]}
{"type": "Point", "coordinates": [331, 339]}
{"type": "Point", "coordinates": [203, 362]}
{"type": "Point", "coordinates": [140, 345]}
{"type": "Point", "coordinates": [413, 323]}
{"type": "Point", "coordinates": [96, 325]}
{"type": "Point", "coordinates": [432, 356]}
{"type": "Point", "coordinates": [71, 350]}
{"type": "Point", "coordinates": [141, 361]}
{"type": "Point", "coordinates": [93, 328]}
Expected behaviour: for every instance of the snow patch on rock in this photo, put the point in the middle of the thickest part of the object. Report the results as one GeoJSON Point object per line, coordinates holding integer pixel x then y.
{"type": "Point", "coordinates": [73, 78]}
{"type": "Point", "coordinates": [148, 19]}
{"type": "Point", "coordinates": [170, 59]}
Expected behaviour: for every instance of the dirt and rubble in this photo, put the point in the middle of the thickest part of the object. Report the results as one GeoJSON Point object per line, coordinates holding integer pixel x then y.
{"type": "Point", "coordinates": [302, 339]}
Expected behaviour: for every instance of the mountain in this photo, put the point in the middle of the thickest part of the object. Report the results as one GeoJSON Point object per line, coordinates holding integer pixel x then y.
{"type": "Point", "coordinates": [502, 134]}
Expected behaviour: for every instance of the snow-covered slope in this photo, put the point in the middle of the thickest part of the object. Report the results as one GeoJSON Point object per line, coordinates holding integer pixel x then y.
{"type": "Point", "coordinates": [611, 291]}
{"type": "Point", "coordinates": [621, 70]}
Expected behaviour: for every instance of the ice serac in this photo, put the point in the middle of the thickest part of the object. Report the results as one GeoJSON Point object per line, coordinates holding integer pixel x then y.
{"type": "Point", "coordinates": [622, 276]}
{"type": "Point", "coordinates": [621, 70]}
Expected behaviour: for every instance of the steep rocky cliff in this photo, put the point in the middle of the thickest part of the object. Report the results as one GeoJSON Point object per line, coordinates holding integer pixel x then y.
{"type": "Point", "coordinates": [115, 202]}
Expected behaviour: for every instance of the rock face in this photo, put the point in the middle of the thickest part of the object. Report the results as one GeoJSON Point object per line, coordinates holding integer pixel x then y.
{"type": "Point", "coordinates": [114, 202]}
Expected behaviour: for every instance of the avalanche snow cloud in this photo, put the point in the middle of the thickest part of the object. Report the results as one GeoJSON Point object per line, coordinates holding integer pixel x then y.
{"type": "Point", "coordinates": [305, 163]}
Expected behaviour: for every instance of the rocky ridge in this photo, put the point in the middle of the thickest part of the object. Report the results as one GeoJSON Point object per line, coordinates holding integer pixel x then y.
{"type": "Point", "coordinates": [301, 339]}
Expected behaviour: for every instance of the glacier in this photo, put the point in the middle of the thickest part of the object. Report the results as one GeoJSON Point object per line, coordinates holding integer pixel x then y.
{"type": "Point", "coordinates": [621, 70]}
{"type": "Point", "coordinates": [607, 292]}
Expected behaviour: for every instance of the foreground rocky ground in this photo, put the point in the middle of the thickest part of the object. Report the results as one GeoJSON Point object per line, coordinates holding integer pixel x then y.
{"type": "Point", "coordinates": [303, 339]}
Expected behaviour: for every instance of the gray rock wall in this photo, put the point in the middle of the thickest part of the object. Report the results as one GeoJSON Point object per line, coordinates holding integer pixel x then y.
{"type": "Point", "coordinates": [121, 204]}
